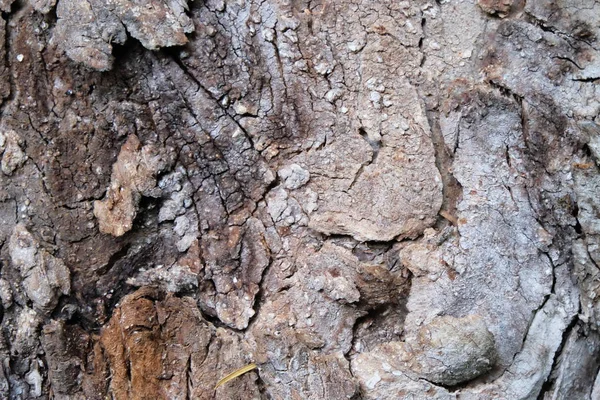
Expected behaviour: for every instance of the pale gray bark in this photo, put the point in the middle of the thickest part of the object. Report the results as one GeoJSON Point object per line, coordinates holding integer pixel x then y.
{"type": "Point", "coordinates": [367, 199]}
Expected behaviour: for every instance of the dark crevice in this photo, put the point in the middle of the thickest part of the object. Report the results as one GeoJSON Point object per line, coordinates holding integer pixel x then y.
{"type": "Point", "coordinates": [507, 92]}
{"type": "Point", "coordinates": [592, 79]}
{"type": "Point", "coordinates": [139, 249]}
{"type": "Point", "coordinates": [209, 315]}
{"type": "Point", "coordinates": [550, 380]}
{"type": "Point", "coordinates": [370, 251]}
{"type": "Point", "coordinates": [570, 61]}
{"type": "Point", "coordinates": [451, 187]}
{"type": "Point", "coordinates": [368, 317]}
{"type": "Point", "coordinates": [533, 20]}
{"type": "Point", "coordinates": [279, 61]}
{"type": "Point", "coordinates": [380, 323]}
{"type": "Point", "coordinates": [421, 39]}
{"type": "Point", "coordinates": [16, 7]}
{"type": "Point", "coordinates": [173, 54]}
{"type": "Point", "coordinates": [591, 258]}
{"type": "Point", "coordinates": [510, 192]}
{"type": "Point", "coordinates": [340, 237]}
{"type": "Point", "coordinates": [122, 50]}
{"type": "Point", "coordinates": [538, 309]}
{"type": "Point", "coordinates": [66, 310]}
{"type": "Point", "coordinates": [575, 213]}
{"type": "Point", "coordinates": [188, 378]}
{"type": "Point", "coordinates": [119, 255]}
{"type": "Point", "coordinates": [276, 182]}
{"type": "Point", "coordinates": [524, 122]}
{"type": "Point", "coordinates": [128, 368]}
{"type": "Point", "coordinates": [259, 297]}
{"type": "Point", "coordinates": [449, 388]}
{"type": "Point", "coordinates": [552, 287]}
{"type": "Point", "coordinates": [51, 18]}
{"type": "Point", "coordinates": [587, 151]}
{"type": "Point", "coordinates": [597, 371]}
{"type": "Point", "coordinates": [375, 146]}
{"type": "Point", "coordinates": [358, 395]}
{"type": "Point", "coordinates": [262, 387]}
{"type": "Point", "coordinates": [578, 228]}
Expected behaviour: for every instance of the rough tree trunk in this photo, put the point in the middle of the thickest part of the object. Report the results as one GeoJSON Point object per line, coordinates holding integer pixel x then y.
{"type": "Point", "coordinates": [367, 199]}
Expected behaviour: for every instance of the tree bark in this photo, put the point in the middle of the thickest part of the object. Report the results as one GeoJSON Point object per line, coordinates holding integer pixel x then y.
{"type": "Point", "coordinates": [368, 200]}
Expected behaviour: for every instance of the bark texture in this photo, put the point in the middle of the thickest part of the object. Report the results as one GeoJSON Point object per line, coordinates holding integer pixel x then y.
{"type": "Point", "coordinates": [367, 199]}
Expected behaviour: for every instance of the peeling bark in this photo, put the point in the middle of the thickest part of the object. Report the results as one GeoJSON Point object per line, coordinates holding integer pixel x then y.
{"type": "Point", "coordinates": [369, 200]}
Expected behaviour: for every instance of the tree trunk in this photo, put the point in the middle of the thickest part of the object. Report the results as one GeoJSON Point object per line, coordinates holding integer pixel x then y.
{"type": "Point", "coordinates": [368, 200]}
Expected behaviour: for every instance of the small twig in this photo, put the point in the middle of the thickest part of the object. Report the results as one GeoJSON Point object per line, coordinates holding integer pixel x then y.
{"type": "Point", "coordinates": [235, 374]}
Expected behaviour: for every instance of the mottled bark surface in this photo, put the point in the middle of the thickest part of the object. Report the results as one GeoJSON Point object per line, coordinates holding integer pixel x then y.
{"type": "Point", "coordinates": [367, 199]}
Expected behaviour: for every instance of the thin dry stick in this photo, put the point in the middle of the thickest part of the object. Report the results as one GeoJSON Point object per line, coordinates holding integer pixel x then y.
{"type": "Point", "coordinates": [235, 374]}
